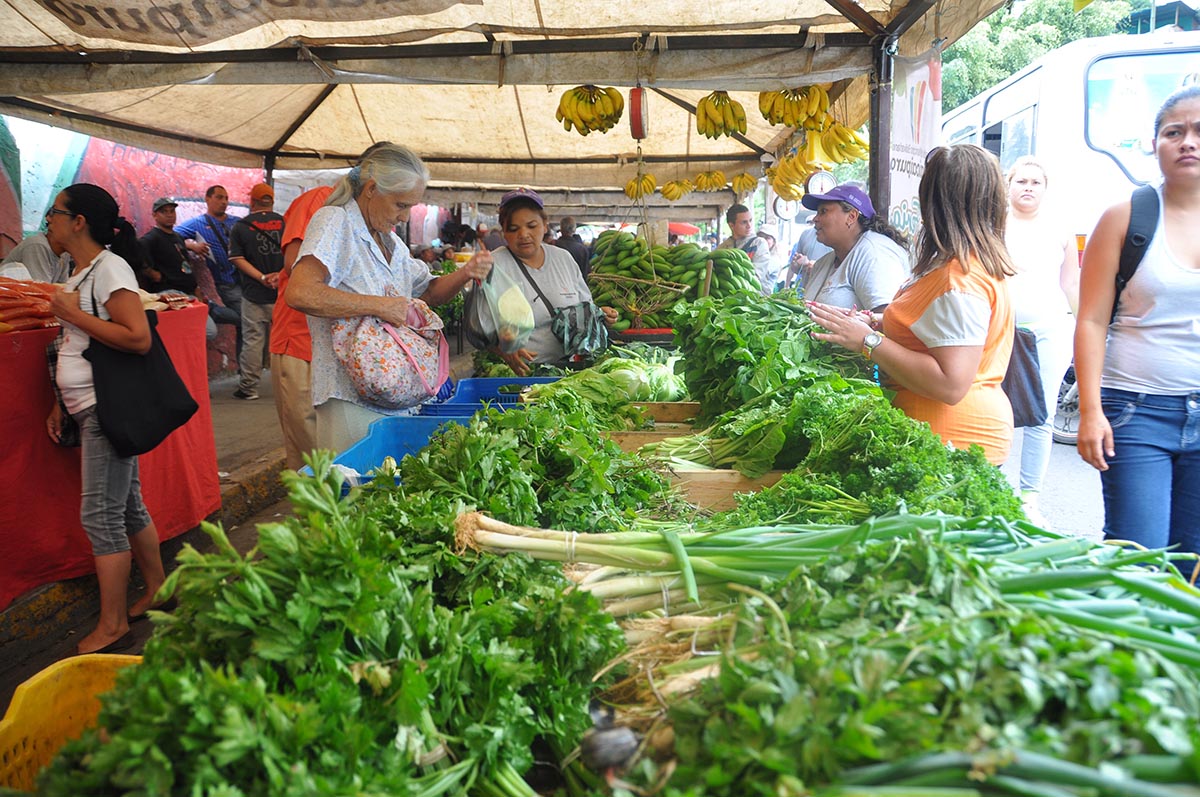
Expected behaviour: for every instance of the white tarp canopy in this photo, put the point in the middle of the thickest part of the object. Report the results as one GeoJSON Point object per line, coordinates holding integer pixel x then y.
{"type": "Point", "coordinates": [471, 86]}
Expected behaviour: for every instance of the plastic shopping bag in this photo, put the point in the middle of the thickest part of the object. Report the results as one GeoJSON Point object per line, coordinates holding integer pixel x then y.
{"type": "Point", "coordinates": [498, 314]}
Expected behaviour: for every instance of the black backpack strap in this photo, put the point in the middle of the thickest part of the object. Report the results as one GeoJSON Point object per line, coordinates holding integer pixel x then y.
{"type": "Point", "coordinates": [1143, 221]}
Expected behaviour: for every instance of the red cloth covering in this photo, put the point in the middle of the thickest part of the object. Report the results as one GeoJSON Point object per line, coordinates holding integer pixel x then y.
{"type": "Point", "coordinates": [41, 539]}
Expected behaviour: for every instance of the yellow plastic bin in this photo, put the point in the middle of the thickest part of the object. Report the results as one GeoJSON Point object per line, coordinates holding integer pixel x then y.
{"type": "Point", "coordinates": [49, 710]}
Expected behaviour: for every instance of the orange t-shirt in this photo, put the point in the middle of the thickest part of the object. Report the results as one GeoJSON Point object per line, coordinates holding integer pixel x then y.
{"type": "Point", "coordinates": [289, 327]}
{"type": "Point", "coordinates": [946, 307]}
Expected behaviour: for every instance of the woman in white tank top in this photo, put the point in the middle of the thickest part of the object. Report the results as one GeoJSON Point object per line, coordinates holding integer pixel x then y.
{"type": "Point", "coordinates": [1139, 376]}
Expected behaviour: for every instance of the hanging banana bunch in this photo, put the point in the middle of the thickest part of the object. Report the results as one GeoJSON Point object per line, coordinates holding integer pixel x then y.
{"type": "Point", "coordinates": [710, 181]}
{"type": "Point", "coordinates": [717, 115]}
{"type": "Point", "coordinates": [814, 154]}
{"type": "Point", "coordinates": [744, 183]}
{"type": "Point", "coordinates": [803, 107]}
{"type": "Point", "coordinates": [843, 144]}
{"type": "Point", "coordinates": [674, 190]}
{"type": "Point", "coordinates": [590, 108]}
{"type": "Point", "coordinates": [789, 175]}
{"type": "Point", "coordinates": [642, 185]}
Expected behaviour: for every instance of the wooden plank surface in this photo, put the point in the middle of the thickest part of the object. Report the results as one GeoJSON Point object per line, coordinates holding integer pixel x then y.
{"type": "Point", "coordinates": [670, 411]}
{"type": "Point", "coordinates": [714, 489]}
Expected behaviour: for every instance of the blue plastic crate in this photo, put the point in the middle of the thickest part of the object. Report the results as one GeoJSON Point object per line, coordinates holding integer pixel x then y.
{"type": "Point", "coordinates": [388, 437]}
{"type": "Point", "coordinates": [472, 394]}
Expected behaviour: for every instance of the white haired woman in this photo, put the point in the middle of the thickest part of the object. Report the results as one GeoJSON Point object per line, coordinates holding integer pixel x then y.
{"type": "Point", "coordinates": [352, 264]}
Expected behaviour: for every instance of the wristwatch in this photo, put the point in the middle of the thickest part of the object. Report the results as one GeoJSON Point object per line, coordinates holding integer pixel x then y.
{"type": "Point", "coordinates": [870, 342]}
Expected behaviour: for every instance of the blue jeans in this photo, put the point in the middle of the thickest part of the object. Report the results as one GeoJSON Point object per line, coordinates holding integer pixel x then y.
{"type": "Point", "coordinates": [1152, 485]}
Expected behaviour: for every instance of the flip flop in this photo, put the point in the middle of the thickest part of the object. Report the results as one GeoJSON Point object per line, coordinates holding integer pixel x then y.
{"type": "Point", "coordinates": [120, 643]}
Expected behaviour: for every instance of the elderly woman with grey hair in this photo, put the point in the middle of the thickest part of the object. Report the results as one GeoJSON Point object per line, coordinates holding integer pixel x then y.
{"type": "Point", "coordinates": [353, 264]}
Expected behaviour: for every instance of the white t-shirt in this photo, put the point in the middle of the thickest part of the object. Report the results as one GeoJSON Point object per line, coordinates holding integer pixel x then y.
{"type": "Point", "coordinates": [105, 275]}
{"type": "Point", "coordinates": [1037, 250]}
{"type": "Point", "coordinates": [561, 282]}
{"type": "Point", "coordinates": [874, 269]}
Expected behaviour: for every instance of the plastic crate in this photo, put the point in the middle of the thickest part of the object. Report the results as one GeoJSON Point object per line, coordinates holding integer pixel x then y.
{"type": "Point", "coordinates": [50, 709]}
{"type": "Point", "coordinates": [472, 394]}
{"type": "Point", "coordinates": [388, 437]}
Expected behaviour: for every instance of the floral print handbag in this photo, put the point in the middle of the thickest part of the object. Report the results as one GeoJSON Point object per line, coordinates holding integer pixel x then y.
{"type": "Point", "coordinates": [391, 367]}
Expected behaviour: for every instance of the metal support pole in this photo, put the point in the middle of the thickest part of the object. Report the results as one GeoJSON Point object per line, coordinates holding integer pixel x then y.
{"type": "Point", "coordinates": [879, 171]}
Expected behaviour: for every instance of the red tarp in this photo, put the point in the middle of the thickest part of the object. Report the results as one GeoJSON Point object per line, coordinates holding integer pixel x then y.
{"type": "Point", "coordinates": [682, 228]}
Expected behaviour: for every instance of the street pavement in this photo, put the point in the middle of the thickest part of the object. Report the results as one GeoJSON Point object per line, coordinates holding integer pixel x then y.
{"type": "Point", "coordinates": [1071, 500]}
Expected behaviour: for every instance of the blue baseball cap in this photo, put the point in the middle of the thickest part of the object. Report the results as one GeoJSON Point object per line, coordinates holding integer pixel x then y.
{"type": "Point", "coordinates": [526, 193]}
{"type": "Point", "coordinates": [842, 193]}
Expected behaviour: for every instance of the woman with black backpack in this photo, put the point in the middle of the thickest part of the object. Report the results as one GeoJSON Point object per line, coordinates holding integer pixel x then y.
{"type": "Point", "coordinates": [1137, 351]}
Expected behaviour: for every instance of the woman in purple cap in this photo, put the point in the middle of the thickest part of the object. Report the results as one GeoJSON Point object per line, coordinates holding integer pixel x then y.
{"type": "Point", "coordinates": [528, 261]}
{"type": "Point", "coordinates": [869, 261]}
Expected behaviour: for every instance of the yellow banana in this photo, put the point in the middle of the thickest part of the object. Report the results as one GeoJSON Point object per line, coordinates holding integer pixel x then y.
{"type": "Point", "coordinates": [632, 188]}
{"type": "Point", "coordinates": [765, 101]}
{"type": "Point", "coordinates": [739, 116]}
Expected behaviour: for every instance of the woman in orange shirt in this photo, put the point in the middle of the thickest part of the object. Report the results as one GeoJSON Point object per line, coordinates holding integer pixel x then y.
{"type": "Point", "coordinates": [946, 337]}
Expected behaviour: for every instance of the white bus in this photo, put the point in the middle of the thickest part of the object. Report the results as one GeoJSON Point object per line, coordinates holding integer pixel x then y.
{"type": "Point", "coordinates": [1086, 111]}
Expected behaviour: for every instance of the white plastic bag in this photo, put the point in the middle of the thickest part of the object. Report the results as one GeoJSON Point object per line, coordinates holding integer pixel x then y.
{"type": "Point", "coordinates": [498, 314]}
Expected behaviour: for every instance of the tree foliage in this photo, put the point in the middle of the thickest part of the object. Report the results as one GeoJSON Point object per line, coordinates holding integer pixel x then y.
{"type": "Point", "coordinates": [1016, 35]}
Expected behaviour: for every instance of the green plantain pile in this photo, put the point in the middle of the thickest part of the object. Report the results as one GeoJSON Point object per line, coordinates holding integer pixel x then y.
{"type": "Point", "coordinates": [642, 281]}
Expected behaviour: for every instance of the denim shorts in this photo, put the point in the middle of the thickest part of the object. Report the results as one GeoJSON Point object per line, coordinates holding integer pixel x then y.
{"type": "Point", "coordinates": [112, 508]}
{"type": "Point", "coordinates": [1152, 485]}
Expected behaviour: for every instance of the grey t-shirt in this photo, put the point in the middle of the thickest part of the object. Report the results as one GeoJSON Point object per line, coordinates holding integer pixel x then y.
{"type": "Point", "coordinates": [39, 259]}
{"type": "Point", "coordinates": [872, 272]}
{"type": "Point", "coordinates": [560, 281]}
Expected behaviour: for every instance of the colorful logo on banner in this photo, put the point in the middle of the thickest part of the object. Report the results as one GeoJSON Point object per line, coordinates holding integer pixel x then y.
{"type": "Point", "coordinates": [916, 123]}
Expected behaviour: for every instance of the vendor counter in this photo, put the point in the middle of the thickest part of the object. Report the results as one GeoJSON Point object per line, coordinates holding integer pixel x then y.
{"type": "Point", "coordinates": [41, 539]}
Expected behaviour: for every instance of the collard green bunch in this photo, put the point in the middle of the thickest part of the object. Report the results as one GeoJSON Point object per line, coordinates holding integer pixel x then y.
{"type": "Point", "coordinates": [745, 345]}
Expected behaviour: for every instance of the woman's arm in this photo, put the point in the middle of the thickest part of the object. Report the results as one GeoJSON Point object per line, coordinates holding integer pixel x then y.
{"type": "Point", "coordinates": [1097, 290]}
{"type": "Point", "coordinates": [943, 374]}
{"type": "Point", "coordinates": [444, 288]}
{"type": "Point", "coordinates": [128, 330]}
{"type": "Point", "coordinates": [308, 293]}
{"type": "Point", "coordinates": [1068, 274]}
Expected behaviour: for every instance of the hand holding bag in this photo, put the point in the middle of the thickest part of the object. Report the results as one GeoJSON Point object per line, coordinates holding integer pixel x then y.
{"type": "Point", "coordinates": [497, 314]}
{"type": "Point", "coordinates": [140, 398]}
{"type": "Point", "coordinates": [391, 367]}
{"type": "Point", "coordinates": [1023, 381]}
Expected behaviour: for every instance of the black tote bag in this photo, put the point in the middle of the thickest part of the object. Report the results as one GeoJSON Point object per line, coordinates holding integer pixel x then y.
{"type": "Point", "coordinates": [140, 398]}
{"type": "Point", "coordinates": [1023, 381]}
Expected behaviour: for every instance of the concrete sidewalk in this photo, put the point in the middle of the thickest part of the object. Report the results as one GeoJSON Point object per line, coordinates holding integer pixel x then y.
{"type": "Point", "coordinates": [44, 625]}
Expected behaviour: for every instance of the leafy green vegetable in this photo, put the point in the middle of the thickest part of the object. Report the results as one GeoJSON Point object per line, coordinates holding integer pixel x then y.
{"type": "Point", "coordinates": [328, 661]}
{"type": "Point", "coordinates": [744, 346]}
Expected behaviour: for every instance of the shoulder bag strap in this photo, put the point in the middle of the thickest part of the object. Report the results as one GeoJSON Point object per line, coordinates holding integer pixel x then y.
{"type": "Point", "coordinates": [219, 231]}
{"type": "Point", "coordinates": [549, 307]}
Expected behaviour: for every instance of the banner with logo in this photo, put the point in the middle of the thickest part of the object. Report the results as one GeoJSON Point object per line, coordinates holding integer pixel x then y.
{"type": "Point", "coordinates": [916, 126]}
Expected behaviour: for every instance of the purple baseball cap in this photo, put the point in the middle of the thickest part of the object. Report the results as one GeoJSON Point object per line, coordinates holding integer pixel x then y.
{"type": "Point", "coordinates": [525, 193]}
{"type": "Point", "coordinates": [842, 193]}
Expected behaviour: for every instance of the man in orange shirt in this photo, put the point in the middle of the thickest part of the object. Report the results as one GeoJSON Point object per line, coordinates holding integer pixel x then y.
{"type": "Point", "coordinates": [291, 344]}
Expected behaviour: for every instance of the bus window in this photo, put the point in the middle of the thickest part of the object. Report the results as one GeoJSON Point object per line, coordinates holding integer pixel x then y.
{"type": "Point", "coordinates": [1011, 138]}
{"type": "Point", "coordinates": [1123, 94]}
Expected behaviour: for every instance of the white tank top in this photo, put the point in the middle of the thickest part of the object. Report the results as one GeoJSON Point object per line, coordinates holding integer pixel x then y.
{"type": "Point", "coordinates": [1154, 342]}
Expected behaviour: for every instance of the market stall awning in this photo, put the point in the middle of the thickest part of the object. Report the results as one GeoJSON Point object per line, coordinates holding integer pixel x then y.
{"type": "Point", "coordinates": [471, 86]}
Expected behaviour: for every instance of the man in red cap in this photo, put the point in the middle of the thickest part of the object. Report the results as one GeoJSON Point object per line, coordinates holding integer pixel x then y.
{"type": "Point", "coordinates": [254, 248]}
